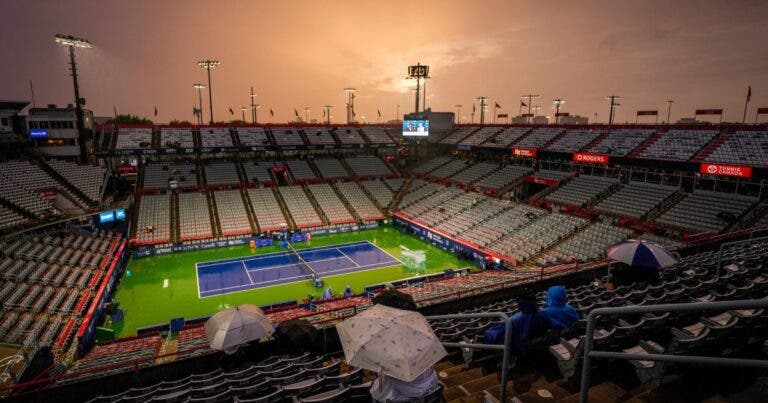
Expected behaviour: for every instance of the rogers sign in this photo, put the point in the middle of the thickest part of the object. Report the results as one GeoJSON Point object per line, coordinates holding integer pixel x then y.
{"type": "Point", "coordinates": [590, 158]}
{"type": "Point", "coordinates": [726, 170]}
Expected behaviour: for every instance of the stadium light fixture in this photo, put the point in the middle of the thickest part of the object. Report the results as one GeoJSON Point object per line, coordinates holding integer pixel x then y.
{"type": "Point", "coordinates": [253, 106]}
{"type": "Point", "coordinates": [530, 98]}
{"type": "Point", "coordinates": [350, 104]}
{"type": "Point", "coordinates": [458, 113]}
{"type": "Point", "coordinates": [669, 110]}
{"type": "Point", "coordinates": [558, 103]}
{"type": "Point", "coordinates": [483, 107]}
{"type": "Point", "coordinates": [208, 65]}
{"type": "Point", "coordinates": [328, 114]}
{"type": "Point", "coordinates": [613, 99]}
{"type": "Point", "coordinates": [72, 42]}
{"type": "Point", "coordinates": [199, 88]}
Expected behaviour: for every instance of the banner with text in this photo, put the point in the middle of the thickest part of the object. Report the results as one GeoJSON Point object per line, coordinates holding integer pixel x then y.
{"type": "Point", "coordinates": [524, 152]}
{"type": "Point", "coordinates": [726, 170]}
{"type": "Point", "coordinates": [709, 111]}
{"type": "Point", "coordinates": [590, 158]}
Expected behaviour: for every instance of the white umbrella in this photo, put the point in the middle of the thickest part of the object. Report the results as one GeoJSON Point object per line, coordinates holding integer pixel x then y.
{"type": "Point", "coordinates": [228, 329]}
{"type": "Point", "coordinates": [390, 341]}
{"type": "Point", "coordinates": [640, 254]}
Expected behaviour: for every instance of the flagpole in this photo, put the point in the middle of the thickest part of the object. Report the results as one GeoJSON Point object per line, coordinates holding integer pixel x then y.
{"type": "Point", "coordinates": [746, 102]}
{"type": "Point", "coordinates": [494, 113]}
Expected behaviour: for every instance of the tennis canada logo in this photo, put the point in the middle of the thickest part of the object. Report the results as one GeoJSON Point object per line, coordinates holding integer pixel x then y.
{"type": "Point", "coordinates": [712, 169]}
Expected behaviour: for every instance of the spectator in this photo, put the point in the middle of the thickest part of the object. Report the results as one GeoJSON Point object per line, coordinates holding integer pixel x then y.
{"type": "Point", "coordinates": [527, 323]}
{"type": "Point", "coordinates": [347, 292]}
{"type": "Point", "coordinates": [623, 275]}
{"type": "Point", "coordinates": [558, 312]}
{"type": "Point", "coordinates": [328, 294]}
{"type": "Point", "coordinates": [388, 389]}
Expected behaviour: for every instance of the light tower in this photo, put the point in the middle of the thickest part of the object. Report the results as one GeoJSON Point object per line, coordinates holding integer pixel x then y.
{"type": "Point", "coordinates": [306, 115]}
{"type": "Point", "coordinates": [458, 113]}
{"type": "Point", "coordinates": [253, 107]}
{"type": "Point", "coordinates": [72, 42]}
{"type": "Point", "coordinates": [200, 88]}
{"type": "Point", "coordinates": [418, 72]}
{"type": "Point", "coordinates": [558, 103]}
{"type": "Point", "coordinates": [208, 65]}
{"type": "Point", "coordinates": [256, 113]}
{"type": "Point", "coordinates": [350, 104]}
{"type": "Point", "coordinates": [243, 109]}
{"type": "Point", "coordinates": [614, 104]}
{"type": "Point", "coordinates": [483, 107]}
{"type": "Point", "coordinates": [328, 114]}
{"type": "Point", "coordinates": [669, 110]}
{"type": "Point", "coordinates": [530, 98]}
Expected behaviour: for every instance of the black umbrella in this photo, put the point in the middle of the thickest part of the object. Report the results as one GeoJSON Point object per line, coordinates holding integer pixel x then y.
{"type": "Point", "coordinates": [395, 299]}
{"type": "Point", "coordinates": [298, 332]}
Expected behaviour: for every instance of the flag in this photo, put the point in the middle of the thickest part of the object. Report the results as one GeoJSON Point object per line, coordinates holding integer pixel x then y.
{"type": "Point", "coordinates": [115, 109]}
{"type": "Point", "coordinates": [231, 112]}
{"type": "Point", "coordinates": [749, 93]}
{"type": "Point", "coordinates": [497, 105]}
{"type": "Point", "coordinates": [295, 112]}
{"type": "Point", "coordinates": [155, 111]}
{"type": "Point", "coordinates": [473, 108]}
{"type": "Point", "coordinates": [353, 112]}
{"type": "Point", "coordinates": [379, 112]}
{"type": "Point", "coordinates": [271, 113]}
{"type": "Point", "coordinates": [523, 104]}
{"type": "Point", "coordinates": [323, 112]}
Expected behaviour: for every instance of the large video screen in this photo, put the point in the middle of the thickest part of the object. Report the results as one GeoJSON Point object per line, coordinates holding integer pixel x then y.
{"type": "Point", "coordinates": [415, 128]}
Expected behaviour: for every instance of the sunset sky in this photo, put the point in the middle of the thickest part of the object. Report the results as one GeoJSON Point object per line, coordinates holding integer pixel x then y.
{"type": "Point", "coordinates": [296, 54]}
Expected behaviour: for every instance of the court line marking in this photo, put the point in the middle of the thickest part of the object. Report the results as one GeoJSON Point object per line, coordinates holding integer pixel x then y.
{"type": "Point", "coordinates": [266, 255]}
{"type": "Point", "coordinates": [381, 249]}
{"type": "Point", "coordinates": [350, 259]}
{"type": "Point", "coordinates": [247, 272]}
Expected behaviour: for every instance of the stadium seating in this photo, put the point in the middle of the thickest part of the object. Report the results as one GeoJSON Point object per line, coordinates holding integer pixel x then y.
{"type": "Point", "coordinates": [586, 245]}
{"type": "Point", "coordinates": [153, 224]}
{"type": "Point", "coordinates": [287, 136]}
{"type": "Point", "coordinates": [252, 136]}
{"type": "Point", "coordinates": [349, 135]}
{"type": "Point", "coordinates": [176, 137]}
{"type": "Point", "coordinates": [194, 217]}
{"type": "Point", "coordinates": [330, 204]}
{"type": "Point", "coordinates": [141, 347]}
{"type": "Point", "coordinates": [160, 175]}
{"type": "Point", "coordinates": [133, 138]}
{"type": "Point", "coordinates": [395, 184]}
{"type": "Point", "coordinates": [443, 206]}
{"type": "Point", "coordinates": [380, 192]}
{"type": "Point", "coordinates": [539, 137]}
{"type": "Point", "coordinates": [221, 173]}
{"type": "Point", "coordinates": [449, 169]}
{"type": "Point", "coordinates": [475, 172]}
{"type": "Point", "coordinates": [704, 210]}
{"type": "Point", "coordinates": [300, 208]}
{"type": "Point", "coordinates": [300, 170]}
{"type": "Point", "coordinates": [458, 224]}
{"type": "Point", "coordinates": [211, 137]}
{"type": "Point", "coordinates": [265, 206]}
{"type": "Point", "coordinates": [89, 179]}
{"type": "Point", "coordinates": [743, 148]}
{"type": "Point", "coordinates": [419, 189]}
{"type": "Point", "coordinates": [552, 174]}
{"type": "Point", "coordinates": [679, 145]}
{"type": "Point", "coordinates": [458, 134]}
{"type": "Point", "coordinates": [233, 217]}
{"type": "Point", "coordinates": [10, 219]}
{"type": "Point", "coordinates": [621, 142]}
{"type": "Point", "coordinates": [377, 134]}
{"type": "Point", "coordinates": [506, 137]}
{"type": "Point", "coordinates": [367, 166]}
{"type": "Point", "coordinates": [530, 240]}
{"type": "Point", "coordinates": [21, 183]}
{"type": "Point", "coordinates": [359, 201]}
{"type": "Point", "coordinates": [319, 136]}
{"type": "Point", "coordinates": [480, 136]}
{"type": "Point", "coordinates": [431, 164]}
{"type": "Point", "coordinates": [582, 190]}
{"type": "Point", "coordinates": [499, 220]}
{"type": "Point", "coordinates": [636, 199]}
{"type": "Point", "coordinates": [574, 140]}
{"type": "Point", "coordinates": [504, 177]}
{"type": "Point", "coordinates": [257, 171]}
{"type": "Point", "coordinates": [330, 168]}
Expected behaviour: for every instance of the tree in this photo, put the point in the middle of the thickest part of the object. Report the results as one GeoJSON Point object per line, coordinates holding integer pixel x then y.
{"type": "Point", "coordinates": [176, 122]}
{"type": "Point", "coordinates": [130, 120]}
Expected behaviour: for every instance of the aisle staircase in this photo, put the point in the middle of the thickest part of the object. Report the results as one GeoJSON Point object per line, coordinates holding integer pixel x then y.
{"type": "Point", "coordinates": [249, 210]}
{"type": "Point", "coordinates": [283, 208]}
{"type": "Point", "coordinates": [638, 151]}
{"type": "Point", "coordinates": [710, 147]}
{"type": "Point", "coordinates": [174, 219]}
{"type": "Point", "coordinates": [315, 205]}
{"type": "Point", "coordinates": [213, 215]}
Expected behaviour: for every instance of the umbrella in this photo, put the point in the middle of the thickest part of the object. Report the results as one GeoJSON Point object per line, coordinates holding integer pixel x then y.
{"type": "Point", "coordinates": [395, 299]}
{"type": "Point", "coordinates": [298, 332]}
{"type": "Point", "coordinates": [228, 329]}
{"type": "Point", "coordinates": [640, 254]}
{"type": "Point", "coordinates": [391, 342]}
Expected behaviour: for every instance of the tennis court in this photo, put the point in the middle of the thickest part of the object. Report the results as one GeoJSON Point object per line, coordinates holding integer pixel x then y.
{"type": "Point", "coordinates": [246, 273]}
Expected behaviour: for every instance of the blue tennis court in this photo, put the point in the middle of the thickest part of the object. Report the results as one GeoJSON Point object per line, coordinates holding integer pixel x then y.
{"type": "Point", "coordinates": [240, 274]}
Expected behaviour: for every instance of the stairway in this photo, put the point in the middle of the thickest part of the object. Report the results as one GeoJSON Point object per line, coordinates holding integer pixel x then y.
{"type": "Point", "coordinates": [532, 260]}
{"type": "Point", "coordinates": [240, 171]}
{"type": "Point", "coordinates": [283, 208]}
{"type": "Point", "coordinates": [644, 145]}
{"type": "Point", "coordinates": [214, 215]}
{"type": "Point", "coordinates": [667, 204]}
{"type": "Point", "coordinates": [174, 219]}
{"type": "Point", "coordinates": [400, 194]}
{"type": "Point", "coordinates": [249, 210]}
{"type": "Point", "coordinates": [595, 142]}
{"type": "Point", "coordinates": [199, 174]}
{"type": "Point", "coordinates": [350, 172]}
{"type": "Point", "coordinates": [68, 186]}
{"type": "Point", "coordinates": [134, 217]}
{"type": "Point", "coordinates": [318, 210]}
{"type": "Point", "coordinates": [710, 147]}
{"type": "Point", "coordinates": [16, 209]}
{"type": "Point", "coordinates": [347, 205]}
{"type": "Point", "coordinates": [554, 140]}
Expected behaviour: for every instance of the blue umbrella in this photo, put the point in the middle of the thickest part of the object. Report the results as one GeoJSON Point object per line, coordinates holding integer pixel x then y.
{"type": "Point", "coordinates": [640, 254]}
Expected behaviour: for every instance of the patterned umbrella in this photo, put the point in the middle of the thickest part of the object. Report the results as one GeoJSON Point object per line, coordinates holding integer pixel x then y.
{"type": "Point", "coordinates": [390, 341]}
{"type": "Point", "coordinates": [640, 254]}
{"type": "Point", "coordinates": [228, 329]}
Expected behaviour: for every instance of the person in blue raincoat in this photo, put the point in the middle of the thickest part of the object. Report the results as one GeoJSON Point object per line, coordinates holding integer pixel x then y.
{"type": "Point", "coordinates": [527, 323]}
{"type": "Point", "coordinates": [557, 311]}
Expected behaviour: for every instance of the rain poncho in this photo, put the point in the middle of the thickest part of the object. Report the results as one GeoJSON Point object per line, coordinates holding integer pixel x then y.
{"type": "Point", "coordinates": [560, 314]}
{"type": "Point", "coordinates": [527, 322]}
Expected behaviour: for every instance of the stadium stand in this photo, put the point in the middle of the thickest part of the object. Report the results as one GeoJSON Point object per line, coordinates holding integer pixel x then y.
{"type": "Point", "coordinates": [300, 170]}
{"type": "Point", "coordinates": [252, 136]}
{"type": "Point", "coordinates": [265, 206]}
{"type": "Point", "coordinates": [10, 219]}
{"type": "Point", "coordinates": [160, 175]}
{"type": "Point", "coordinates": [499, 220]}
{"type": "Point", "coordinates": [359, 202]}
{"type": "Point", "coordinates": [621, 142]}
{"type": "Point", "coordinates": [475, 172]}
{"type": "Point", "coordinates": [707, 210]}
{"type": "Point", "coordinates": [211, 137]}
{"type": "Point", "coordinates": [527, 242]}
{"type": "Point", "coordinates": [506, 137]}
{"type": "Point", "coordinates": [636, 199]}
{"type": "Point", "coordinates": [287, 136]}
{"type": "Point", "coordinates": [539, 137]}
{"type": "Point", "coordinates": [582, 190]}
{"type": "Point", "coordinates": [379, 191]}
{"type": "Point", "coordinates": [299, 207]}
{"type": "Point", "coordinates": [395, 183]}
{"type": "Point", "coordinates": [257, 171]}
{"type": "Point", "coordinates": [431, 164]}
{"type": "Point", "coordinates": [133, 138]}
{"type": "Point", "coordinates": [140, 347]}
{"type": "Point", "coordinates": [88, 179]}
{"type": "Point", "coordinates": [153, 224]}
{"type": "Point", "coordinates": [176, 137]}
{"type": "Point", "coordinates": [349, 135]}
{"type": "Point", "coordinates": [330, 168]}
{"type": "Point", "coordinates": [330, 204]}
{"type": "Point", "coordinates": [574, 140]}
{"type": "Point", "coordinates": [458, 134]}
{"type": "Point", "coordinates": [504, 177]}
{"type": "Point", "coordinates": [377, 134]}
{"type": "Point", "coordinates": [221, 173]}
{"type": "Point", "coordinates": [319, 136]}
{"type": "Point", "coordinates": [194, 217]}
{"type": "Point", "coordinates": [480, 136]}
{"type": "Point", "coordinates": [22, 184]}
{"type": "Point", "coordinates": [367, 166]}
{"type": "Point", "coordinates": [743, 148]}
{"type": "Point", "coordinates": [586, 245]}
{"type": "Point", "coordinates": [679, 145]}
{"type": "Point", "coordinates": [552, 174]}
{"type": "Point", "coordinates": [449, 169]}
{"type": "Point", "coordinates": [233, 217]}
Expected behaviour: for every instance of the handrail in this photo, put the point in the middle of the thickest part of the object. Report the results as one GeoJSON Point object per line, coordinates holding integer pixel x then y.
{"type": "Point", "coordinates": [636, 309]}
{"type": "Point", "coordinates": [732, 243]}
{"type": "Point", "coordinates": [505, 347]}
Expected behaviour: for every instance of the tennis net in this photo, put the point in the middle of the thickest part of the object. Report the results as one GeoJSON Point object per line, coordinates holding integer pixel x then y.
{"type": "Point", "coordinates": [303, 263]}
